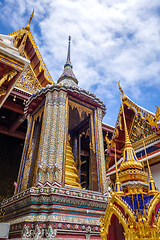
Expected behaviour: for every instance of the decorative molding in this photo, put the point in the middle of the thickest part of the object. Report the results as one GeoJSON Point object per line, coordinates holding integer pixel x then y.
{"type": "Point", "coordinates": [149, 139]}
{"type": "Point", "coordinates": [8, 76]}
{"type": "Point", "coordinates": [42, 64]}
{"type": "Point", "coordinates": [80, 108]}
{"type": "Point", "coordinates": [11, 62]}
{"type": "Point", "coordinates": [2, 91]}
{"type": "Point", "coordinates": [28, 82]}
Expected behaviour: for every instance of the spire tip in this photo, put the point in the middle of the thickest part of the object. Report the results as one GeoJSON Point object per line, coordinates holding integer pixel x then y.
{"type": "Point", "coordinates": [28, 25]}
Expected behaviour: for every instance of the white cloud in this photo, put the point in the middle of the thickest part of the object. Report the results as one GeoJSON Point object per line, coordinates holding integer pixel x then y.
{"type": "Point", "coordinates": [111, 40]}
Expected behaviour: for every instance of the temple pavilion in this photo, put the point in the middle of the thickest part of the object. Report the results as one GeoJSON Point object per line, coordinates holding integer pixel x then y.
{"type": "Point", "coordinates": [61, 189]}
{"type": "Point", "coordinates": [133, 211]}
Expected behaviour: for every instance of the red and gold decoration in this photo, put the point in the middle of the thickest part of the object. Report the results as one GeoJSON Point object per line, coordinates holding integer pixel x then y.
{"type": "Point", "coordinates": [133, 212]}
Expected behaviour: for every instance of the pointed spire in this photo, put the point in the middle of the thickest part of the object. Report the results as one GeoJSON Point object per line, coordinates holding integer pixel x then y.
{"type": "Point", "coordinates": [68, 62]}
{"type": "Point", "coordinates": [68, 77]}
{"type": "Point", "coordinates": [28, 25]}
{"type": "Point", "coordinates": [129, 157]}
{"type": "Point", "coordinates": [118, 187]}
{"type": "Point", "coordinates": [152, 186]}
{"type": "Point", "coordinates": [69, 48]}
{"type": "Point", "coordinates": [71, 176]}
{"type": "Point", "coordinates": [130, 169]}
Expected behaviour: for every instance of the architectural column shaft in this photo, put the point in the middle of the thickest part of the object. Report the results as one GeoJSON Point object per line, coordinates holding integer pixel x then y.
{"type": "Point", "coordinates": [61, 133]}
{"type": "Point", "coordinates": [25, 149]}
{"type": "Point", "coordinates": [101, 157]}
{"type": "Point", "coordinates": [28, 160]}
{"type": "Point", "coordinates": [52, 149]}
{"type": "Point", "coordinates": [46, 131]}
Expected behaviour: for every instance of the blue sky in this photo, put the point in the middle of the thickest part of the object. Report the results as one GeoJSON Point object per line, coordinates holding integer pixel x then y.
{"type": "Point", "coordinates": [111, 41]}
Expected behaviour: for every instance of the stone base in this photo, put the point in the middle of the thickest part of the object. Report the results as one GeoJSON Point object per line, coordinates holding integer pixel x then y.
{"type": "Point", "coordinates": [55, 213]}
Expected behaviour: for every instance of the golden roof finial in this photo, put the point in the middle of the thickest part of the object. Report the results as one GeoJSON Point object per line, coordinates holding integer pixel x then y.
{"type": "Point", "coordinates": [124, 97]}
{"type": "Point", "coordinates": [118, 187]}
{"type": "Point", "coordinates": [28, 25]}
{"type": "Point", "coordinates": [127, 140]}
{"type": "Point", "coordinates": [152, 185]}
{"type": "Point", "coordinates": [129, 157]}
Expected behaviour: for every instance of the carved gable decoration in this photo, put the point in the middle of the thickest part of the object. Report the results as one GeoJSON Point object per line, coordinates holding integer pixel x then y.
{"type": "Point", "coordinates": [140, 124]}
{"type": "Point", "coordinates": [37, 75]}
{"type": "Point", "coordinates": [28, 82]}
{"type": "Point", "coordinates": [140, 129]}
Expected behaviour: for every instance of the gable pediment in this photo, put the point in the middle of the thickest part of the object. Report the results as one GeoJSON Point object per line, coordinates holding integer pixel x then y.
{"type": "Point", "coordinates": [140, 129]}
{"type": "Point", "coordinates": [28, 82]}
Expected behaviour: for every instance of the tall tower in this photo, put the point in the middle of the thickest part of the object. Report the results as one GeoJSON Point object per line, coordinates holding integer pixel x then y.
{"type": "Point", "coordinates": [60, 187]}
{"type": "Point", "coordinates": [53, 113]}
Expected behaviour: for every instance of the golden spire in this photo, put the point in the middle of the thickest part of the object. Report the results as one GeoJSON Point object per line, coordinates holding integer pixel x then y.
{"type": "Point", "coordinates": [129, 157]}
{"type": "Point", "coordinates": [71, 177]}
{"type": "Point", "coordinates": [152, 186]}
{"type": "Point", "coordinates": [28, 25]}
{"type": "Point", "coordinates": [118, 187]}
{"type": "Point", "coordinates": [131, 168]}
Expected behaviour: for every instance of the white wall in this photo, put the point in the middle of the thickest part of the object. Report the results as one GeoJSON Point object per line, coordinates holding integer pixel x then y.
{"type": "Point", "coordinates": [155, 170]}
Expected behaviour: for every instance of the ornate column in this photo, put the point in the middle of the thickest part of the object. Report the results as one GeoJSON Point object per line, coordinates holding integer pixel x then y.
{"type": "Point", "coordinates": [93, 166]}
{"type": "Point", "coordinates": [61, 134]}
{"type": "Point", "coordinates": [29, 161]}
{"type": "Point", "coordinates": [53, 130]}
{"type": "Point", "coordinates": [26, 145]}
{"type": "Point", "coordinates": [100, 148]}
{"type": "Point", "coordinates": [43, 158]}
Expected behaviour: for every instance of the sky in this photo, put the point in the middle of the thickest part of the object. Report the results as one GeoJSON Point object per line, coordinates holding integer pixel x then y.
{"type": "Point", "coordinates": [111, 40]}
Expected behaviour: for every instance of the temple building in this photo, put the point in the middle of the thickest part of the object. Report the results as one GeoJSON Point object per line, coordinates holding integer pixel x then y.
{"type": "Point", "coordinates": [22, 73]}
{"type": "Point", "coordinates": [13, 121]}
{"type": "Point", "coordinates": [133, 211]}
{"type": "Point", "coordinates": [70, 169]}
{"type": "Point", "coordinates": [143, 128]}
{"type": "Point", "coordinates": [61, 189]}
{"type": "Point", "coordinates": [63, 116]}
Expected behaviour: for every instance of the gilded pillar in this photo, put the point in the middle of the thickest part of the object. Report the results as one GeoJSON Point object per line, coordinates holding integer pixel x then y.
{"type": "Point", "coordinates": [100, 149]}
{"type": "Point", "coordinates": [93, 166]}
{"type": "Point", "coordinates": [25, 149]}
{"type": "Point", "coordinates": [27, 166]}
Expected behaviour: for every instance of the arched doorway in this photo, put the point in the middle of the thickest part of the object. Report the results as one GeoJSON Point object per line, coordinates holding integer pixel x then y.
{"type": "Point", "coordinates": [116, 230]}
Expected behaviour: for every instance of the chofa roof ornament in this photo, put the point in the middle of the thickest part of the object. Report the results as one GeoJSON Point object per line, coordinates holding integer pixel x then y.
{"type": "Point", "coordinates": [28, 25]}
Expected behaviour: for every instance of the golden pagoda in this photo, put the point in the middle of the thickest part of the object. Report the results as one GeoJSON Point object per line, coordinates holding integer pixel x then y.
{"type": "Point", "coordinates": [133, 211]}
{"type": "Point", "coordinates": [71, 177]}
{"type": "Point", "coordinates": [131, 168]}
